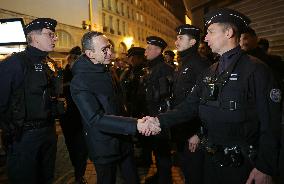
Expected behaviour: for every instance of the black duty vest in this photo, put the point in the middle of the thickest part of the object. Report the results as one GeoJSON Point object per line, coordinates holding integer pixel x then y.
{"type": "Point", "coordinates": [34, 97]}
{"type": "Point", "coordinates": [231, 118]}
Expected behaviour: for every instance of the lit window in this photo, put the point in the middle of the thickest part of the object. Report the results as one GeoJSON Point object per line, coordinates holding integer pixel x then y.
{"type": "Point", "coordinates": [64, 39]}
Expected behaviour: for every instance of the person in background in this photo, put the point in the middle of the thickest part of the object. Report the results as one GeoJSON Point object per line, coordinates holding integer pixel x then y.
{"type": "Point", "coordinates": [249, 43]}
{"type": "Point", "coordinates": [185, 135]}
{"type": "Point", "coordinates": [169, 57]}
{"type": "Point", "coordinates": [157, 82]}
{"type": "Point", "coordinates": [71, 124]}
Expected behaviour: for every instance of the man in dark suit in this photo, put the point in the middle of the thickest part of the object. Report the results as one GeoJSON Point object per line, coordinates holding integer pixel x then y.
{"type": "Point", "coordinates": [96, 95]}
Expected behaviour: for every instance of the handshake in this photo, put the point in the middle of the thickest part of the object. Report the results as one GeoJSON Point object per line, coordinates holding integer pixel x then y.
{"type": "Point", "coordinates": [148, 126]}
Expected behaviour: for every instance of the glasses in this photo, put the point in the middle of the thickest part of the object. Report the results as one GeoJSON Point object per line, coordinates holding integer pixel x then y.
{"type": "Point", "coordinates": [51, 35]}
{"type": "Point", "coordinates": [106, 48]}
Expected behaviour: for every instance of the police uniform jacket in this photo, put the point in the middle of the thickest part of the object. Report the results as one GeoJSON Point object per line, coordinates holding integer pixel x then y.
{"type": "Point", "coordinates": [157, 84]}
{"type": "Point", "coordinates": [191, 66]}
{"type": "Point", "coordinates": [95, 95]}
{"type": "Point", "coordinates": [246, 110]}
{"type": "Point", "coordinates": [27, 87]}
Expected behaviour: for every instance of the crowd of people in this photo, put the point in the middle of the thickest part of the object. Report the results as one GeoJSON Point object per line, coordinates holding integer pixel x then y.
{"type": "Point", "coordinates": [216, 103]}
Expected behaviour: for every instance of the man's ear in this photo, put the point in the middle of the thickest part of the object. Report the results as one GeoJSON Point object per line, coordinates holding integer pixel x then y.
{"type": "Point", "coordinates": [192, 42]}
{"type": "Point", "coordinates": [90, 53]}
{"type": "Point", "coordinates": [229, 32]}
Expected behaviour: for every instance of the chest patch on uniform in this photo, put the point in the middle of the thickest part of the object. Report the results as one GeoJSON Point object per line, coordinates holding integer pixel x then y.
{"type": "Point", "coordinates": [234, 76]}
{"type": "Point", "coordinates": [185, 70]}
{"type": "Point", "coordinates": [275, 95]}
{"type": "Point", "coordinates": [38, 67]}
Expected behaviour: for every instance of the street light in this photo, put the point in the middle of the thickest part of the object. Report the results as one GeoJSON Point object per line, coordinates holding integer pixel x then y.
{"type": "Point", "coordinates": [128, 41]}
{"type": "Point", "coordinates": [91, 14]}
{"type": "Point", "coordinates": [88, 24]}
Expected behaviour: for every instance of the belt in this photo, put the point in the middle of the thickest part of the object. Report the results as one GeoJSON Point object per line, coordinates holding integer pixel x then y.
{"type": "Point", "coordinates": [229, 105]}
{"type": "Point", "coordinates": [31, 125]}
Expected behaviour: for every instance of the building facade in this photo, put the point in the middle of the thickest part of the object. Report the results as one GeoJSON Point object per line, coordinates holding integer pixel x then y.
{"type": "Point", "coordinates": [126, 22]}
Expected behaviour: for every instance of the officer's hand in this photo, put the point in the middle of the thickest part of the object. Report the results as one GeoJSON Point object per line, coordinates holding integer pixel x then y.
{"type": "Point", "coordinates": [148, 126]}
{"type": "Point", "coordinates": [258, 177]}
{"type": "Point", "coordinates": [193, 143]}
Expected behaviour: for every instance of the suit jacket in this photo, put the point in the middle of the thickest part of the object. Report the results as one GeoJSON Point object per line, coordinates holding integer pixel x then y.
{"type": "Point", "coordinates": [95, 95]}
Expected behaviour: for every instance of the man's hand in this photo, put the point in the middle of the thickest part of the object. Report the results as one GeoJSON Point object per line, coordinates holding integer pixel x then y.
{"type": "Point", "coordinates": [258, 177]}
{"type": "Point", "coordinates": [193, 143]}
{"type": "Point", "coordinates": [148, 126]}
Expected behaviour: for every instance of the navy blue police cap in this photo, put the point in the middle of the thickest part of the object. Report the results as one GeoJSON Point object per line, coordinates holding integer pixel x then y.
{"type": "Point", "coordinates": [226, 15]}
{"type": "Point", "coordinates": [189, 30]}
{"type": "Point", "coordinates": [170, 53]}
{"type": "Point", "coordinates": [155, 40]}
{"type": "Point", "coordinates": [41, 23]}
{"type": "Point", "coordinates": [135, 51]}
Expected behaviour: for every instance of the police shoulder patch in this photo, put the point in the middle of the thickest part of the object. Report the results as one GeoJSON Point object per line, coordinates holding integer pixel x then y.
{"type": "Point", "coordinates": [275, 95]}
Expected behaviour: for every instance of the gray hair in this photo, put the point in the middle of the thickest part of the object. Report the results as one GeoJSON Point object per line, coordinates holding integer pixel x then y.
{"type": "Point", "coordinates": [29, 35]}
{"type": "Point", "coordinates": [87, 43]}
{"type": "Point", "coordinates": [228, 25]}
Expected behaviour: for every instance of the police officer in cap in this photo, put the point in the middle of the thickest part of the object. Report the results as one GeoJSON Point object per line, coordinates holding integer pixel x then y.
{"type": "Point", "coordinates": [28, 105]}
{"type": "Point", "coordinates": [71, 124]}
{"type": "Point", "coordinates": [239, 102]}
{"type": "Point", "coordinates": [157, 91]}
{"type": "Point", "coordinates": [169, 57]}
{"type": "Point", "coordinates": [191, 64]}
{"type": "Point", "coordinates": [131, 81]}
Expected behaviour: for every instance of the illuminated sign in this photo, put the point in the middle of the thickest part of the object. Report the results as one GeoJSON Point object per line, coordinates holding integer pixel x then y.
{"type": "Point", "coordinates": [12, 32]}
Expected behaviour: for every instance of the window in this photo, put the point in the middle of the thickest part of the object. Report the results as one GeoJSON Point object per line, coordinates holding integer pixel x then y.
{"type": "Point", "coordinates": [118, 27]}
{"type": "Point", "coordinates": [116, 6]}
{"type": "Point", "coordinates": [138, 33]}
{"type": "Point", "coordinates": [110, 24]}
{"type": "Point", "coordinates": [104, 19]}
{"type": "Point", "coordinates": [122, 9]}
{"type": "Point", "coordinates": [127, 9]}
{"type": "Point", "coordinates": [137, 16]}
{"type": "Point", "coordinates": [64, 39]}
{"type": "Point", "coordinates": [109, 4]}
{"type": "Point", "coordinates": [123, 28]}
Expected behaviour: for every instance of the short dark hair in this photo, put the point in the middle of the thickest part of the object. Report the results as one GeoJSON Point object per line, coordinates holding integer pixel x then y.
{"type": "Point", "coordinates": [263, 44]}
{"type": "Point", "coordinates": [250, 31]}
{"type": "Point", "coordinates": [228, 25]}
{"type": "Point", "coordinates": [87, 38]}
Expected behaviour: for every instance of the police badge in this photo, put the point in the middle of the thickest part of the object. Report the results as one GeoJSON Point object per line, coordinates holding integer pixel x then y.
{"type": "Point", "coordinates": [275, 95]}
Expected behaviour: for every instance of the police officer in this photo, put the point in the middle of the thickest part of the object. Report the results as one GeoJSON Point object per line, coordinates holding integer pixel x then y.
{"type": "Point", "coordinates": [169, 57]}
{"type": "Point", "coordinates": [191, 64]}
{"type": "Point", "coordinates": [239, 103]}
{"type": "Point", "coordinates": [27, 106]}
{"type": "Point", "coordinates": [131, 81]}
{"type": "Point", "coordinates": [249, 43]}
{"type": "Point", "coordinates": [71, 124]}
{"type": "Point", "coordinates": [157, 90]}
